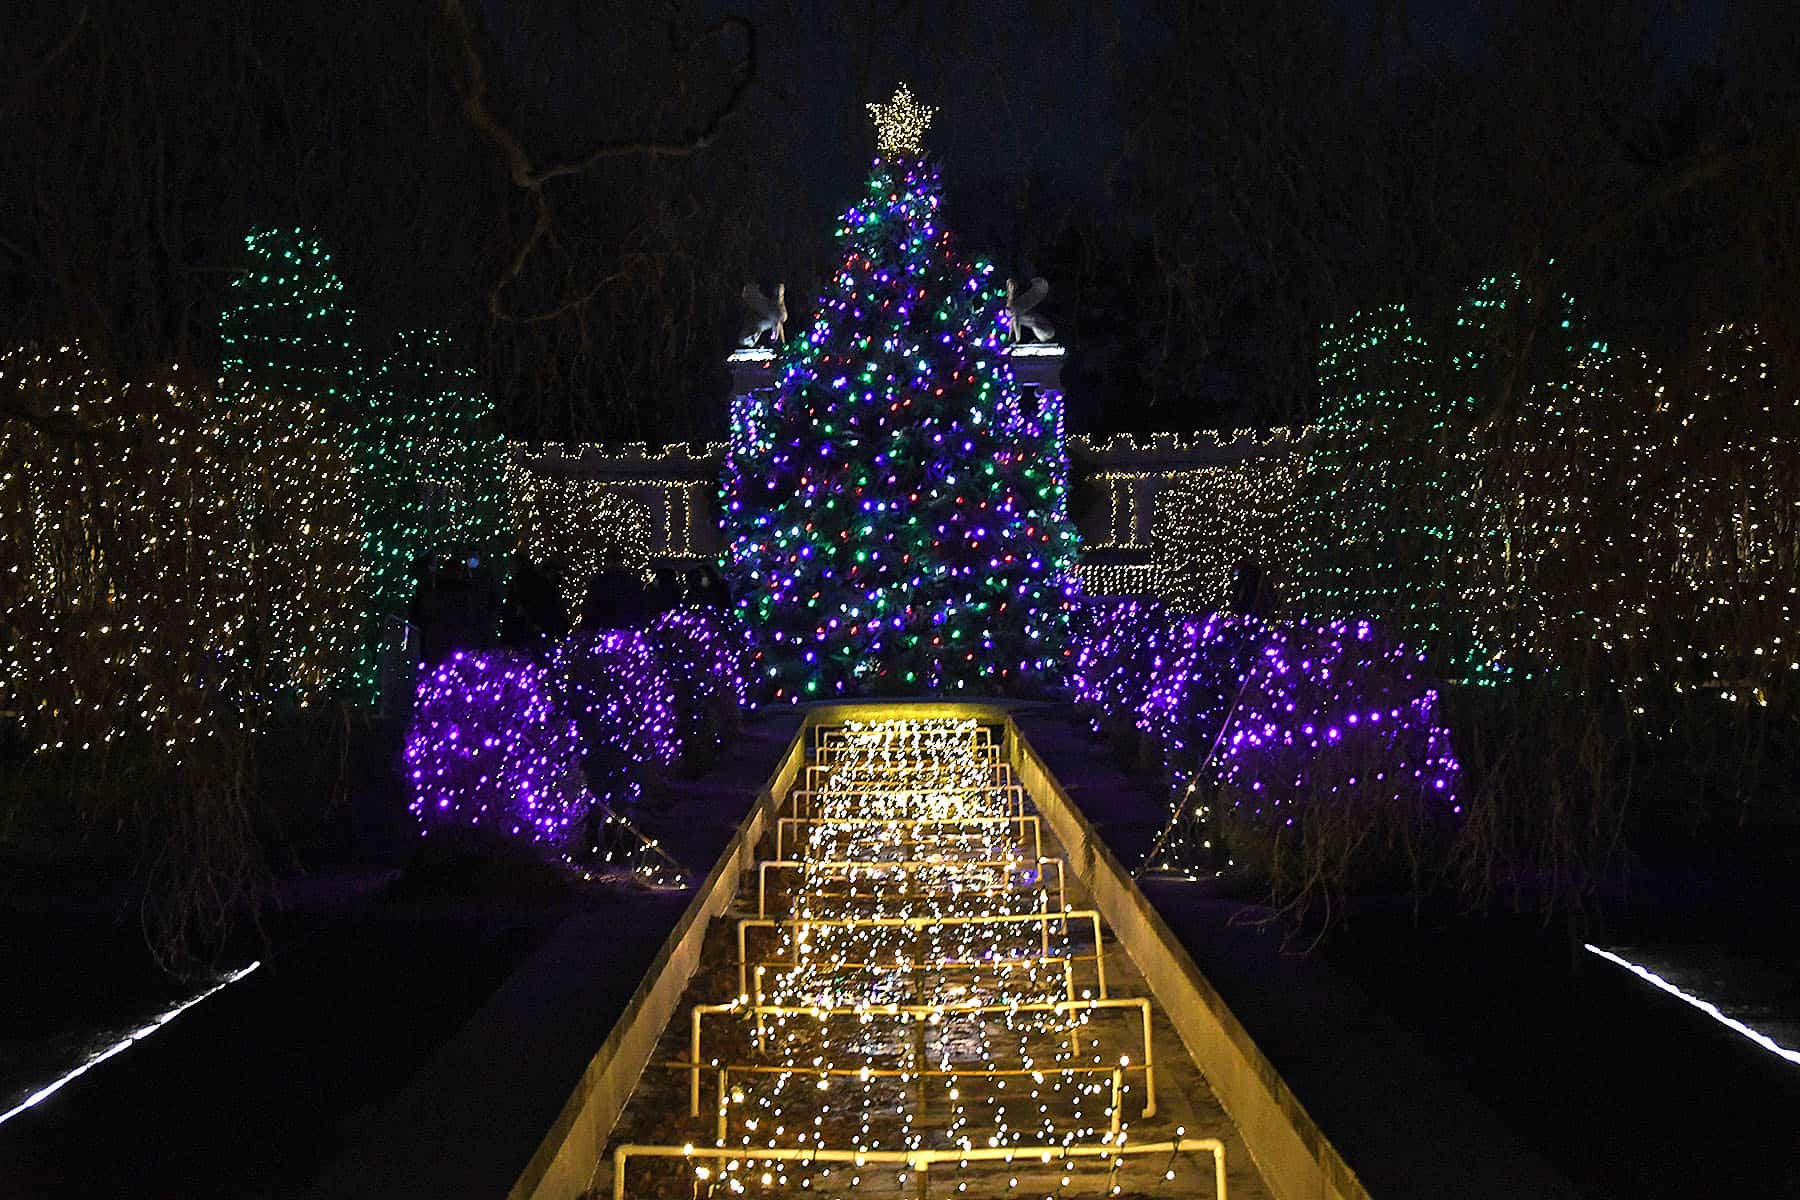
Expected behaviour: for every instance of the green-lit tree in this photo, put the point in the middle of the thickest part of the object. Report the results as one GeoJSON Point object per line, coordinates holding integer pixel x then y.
{"type": "Point", "coordinates": [1376, 490]}
{"type": "Point", "coordinates": [430, 477]}
{"type": "Point", "coordinates": [897, 515]}
{"type": "Point", "coordinates": [288, 335]}
{"type": "Point", "coordinates": [1402, 513]}
{"type": "Point", "coordinates": [288, 330]}
{"type": "Point", "coordinates": [444, 491]}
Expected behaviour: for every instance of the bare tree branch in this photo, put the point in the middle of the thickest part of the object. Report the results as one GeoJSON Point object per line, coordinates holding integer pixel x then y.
{"type": "Point", "coordinates": [1698, 173]}
{"type": "Point", "coordinates": [28, 84]}
{"type": "Point", "coordinates": [470, 81]}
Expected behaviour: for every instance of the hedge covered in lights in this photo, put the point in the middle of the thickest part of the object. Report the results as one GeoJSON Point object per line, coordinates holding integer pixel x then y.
{"type": "Point", "coordinates": [614, 688]}
{"type": "Point", "coordinates": [534, 750]}
{"type": "Point", "coordinates": [1273, 719]}
{"type": "Point", "coordinates": [1334, 711]}
{"type": "Point", "coordinates": [703, 651]}
{"type": "Point", "coordinates": [489, 747]}
{"type": "Point", "coordinates": [1113, 662]}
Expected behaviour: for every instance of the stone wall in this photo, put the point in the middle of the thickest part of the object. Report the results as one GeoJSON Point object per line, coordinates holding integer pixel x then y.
{"type": "Point", "coordinates": [659, 503]}
{"type": "Point", "coordinates": [1126, 490]}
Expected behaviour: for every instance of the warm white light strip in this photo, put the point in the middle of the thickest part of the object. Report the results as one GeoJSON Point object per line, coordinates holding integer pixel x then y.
{"type": "Point", "coordinates": [118, 1047]}
{"type": "Point", "coordinates": [1712, 1010]}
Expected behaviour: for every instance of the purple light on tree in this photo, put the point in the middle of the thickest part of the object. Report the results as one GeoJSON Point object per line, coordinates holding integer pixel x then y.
{"type": "Point", "coordinates": [487, 748]}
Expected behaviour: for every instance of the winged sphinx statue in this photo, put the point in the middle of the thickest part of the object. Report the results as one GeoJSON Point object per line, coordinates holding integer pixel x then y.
{"type": "Point", "coordinates": [761, 314]}
{"type": "Point", "coordinates": [1019, 306]}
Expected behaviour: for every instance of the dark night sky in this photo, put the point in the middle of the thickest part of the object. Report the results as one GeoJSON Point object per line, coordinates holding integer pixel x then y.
{"type": "Point", "coordinates": [1027, 88]}
{"type": "Point", "coordinates": [1035, 132]}
{"type": "Point", "coordinates": [1021, 87]}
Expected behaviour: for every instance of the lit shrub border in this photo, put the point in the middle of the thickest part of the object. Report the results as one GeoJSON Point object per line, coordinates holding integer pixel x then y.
{"type": "Point", "coordinates": [488, 748]}
{"type": "Point", "coordinates": [613, 686]}
{"type": "Point", "coordinates": [1312, 734]}
{"type": "Point", "coordinates": [1336, 710]}
{"type": "Point", "coordinates": [705, 654]}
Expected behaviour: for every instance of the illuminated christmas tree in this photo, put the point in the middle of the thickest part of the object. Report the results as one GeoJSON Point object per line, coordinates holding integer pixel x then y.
{"type": "Point", "coordinates": [289, 332]}
{"type": "Point", "coordinates": [897, 513]}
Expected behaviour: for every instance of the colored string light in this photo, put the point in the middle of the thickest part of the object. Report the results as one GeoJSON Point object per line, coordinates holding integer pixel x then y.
{"type": "Point", "coordinates": [1271, 717]}
{"type": "Point", "coordinates": [897, 519]}
{"type": "Point", "coordinates": [489, 748]}
{"type": "Point", "coordinates": [613, 686]}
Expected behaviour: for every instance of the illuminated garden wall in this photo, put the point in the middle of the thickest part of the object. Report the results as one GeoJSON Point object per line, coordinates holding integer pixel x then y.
{"type": "Point", "coordinates": [1159, 515]}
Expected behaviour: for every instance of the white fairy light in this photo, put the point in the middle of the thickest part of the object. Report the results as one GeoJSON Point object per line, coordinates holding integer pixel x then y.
{"type": "Point", "coordinates": [1706, 1006]}
{"type": "Point", "coordinates": [900, 123]}
{"type": "Point", "coordinates": [913, 995]}
{"type": "Point", "coordinates": [123, 1044]}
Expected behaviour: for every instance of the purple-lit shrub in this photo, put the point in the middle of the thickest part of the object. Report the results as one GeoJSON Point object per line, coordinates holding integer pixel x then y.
{"type": "Point", "coordinates": [502, 743]}
{"type": "Point", "coordinates": [1337, 712]}
{"type": "Point", "coordinates": [1112, 674]}
{"type": "Point", "coordinates": [611, 684]}
{"type": "Point", "coordinates": [1321, 741]}
{"type": "Point", "coordinates": [1197, 668]}
{"type": "Point", "coordinates": [1334, 769]}
{"type": "Point", "coordinates": [488, 749]}
{"type": "Point", "coordinates": [705, 653]}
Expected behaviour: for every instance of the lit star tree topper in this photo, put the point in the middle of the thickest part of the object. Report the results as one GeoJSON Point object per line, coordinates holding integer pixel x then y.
{"type": "Point", "coordinates": [896, 507]}
{"type": "Point", "coordinates": [900, 124]}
